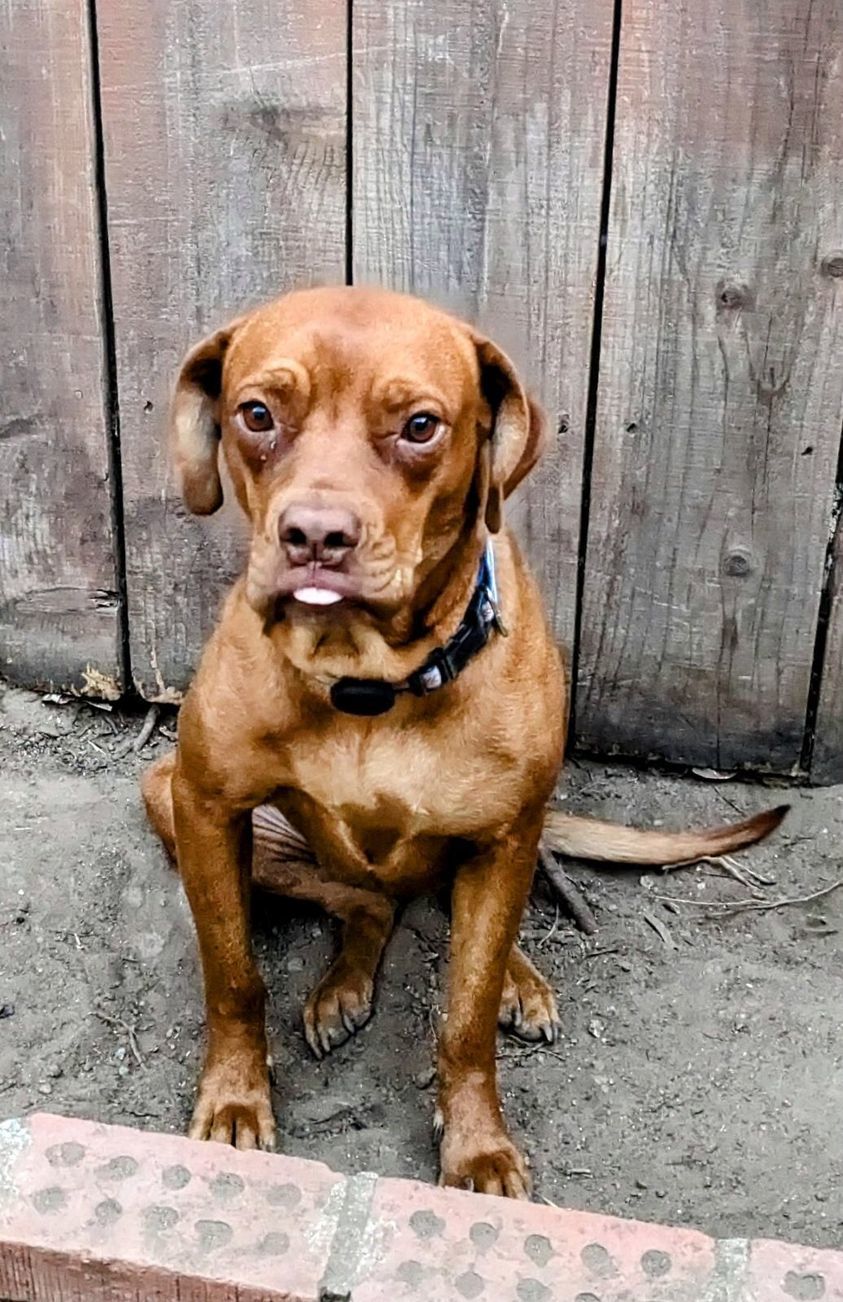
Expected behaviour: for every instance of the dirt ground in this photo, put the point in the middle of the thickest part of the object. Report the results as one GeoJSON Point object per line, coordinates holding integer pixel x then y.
{"type": "Point", "coordinates": [698, 1079]}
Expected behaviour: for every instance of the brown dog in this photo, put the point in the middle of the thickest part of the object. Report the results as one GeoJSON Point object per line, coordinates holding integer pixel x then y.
{"type": "Point", "coordinates": [371, 441]}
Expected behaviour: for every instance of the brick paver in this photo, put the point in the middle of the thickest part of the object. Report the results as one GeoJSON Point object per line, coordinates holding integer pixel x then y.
{"type": "Point", "coordinates": [92, 1213]}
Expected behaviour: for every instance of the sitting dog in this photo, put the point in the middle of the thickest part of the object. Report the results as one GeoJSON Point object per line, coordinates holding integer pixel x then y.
{"type": "Point", "coordinates": [382, 688]}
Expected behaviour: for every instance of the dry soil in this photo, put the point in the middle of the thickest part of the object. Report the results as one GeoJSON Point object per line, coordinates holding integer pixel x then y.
{"type": "Point", "coordinates": [698, 1079]}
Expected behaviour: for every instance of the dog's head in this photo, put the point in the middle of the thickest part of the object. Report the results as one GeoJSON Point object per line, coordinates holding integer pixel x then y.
{"type": "Point", "coordinates": [366, 434]}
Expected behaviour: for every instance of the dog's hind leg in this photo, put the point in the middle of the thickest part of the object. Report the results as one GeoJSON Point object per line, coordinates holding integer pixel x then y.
{"type": "Point", "coordinates": [342, 1001]}
{"type": "Point", "coordinates": [528, 1005]}
{"type": "Point", "coordinates": [157, 791]}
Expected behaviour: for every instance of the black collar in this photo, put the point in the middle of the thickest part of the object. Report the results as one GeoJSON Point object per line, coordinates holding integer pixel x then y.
{"type": "Point", "coordinates": [371, 696]}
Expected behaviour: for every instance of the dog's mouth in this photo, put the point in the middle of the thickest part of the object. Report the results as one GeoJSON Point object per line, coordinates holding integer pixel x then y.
{"type": "Point", "coordinates": [317, 592]}
{"type": "Point", "coordinates": [313, 596]}
{"type": "Point", "coordinates": [317, 588]}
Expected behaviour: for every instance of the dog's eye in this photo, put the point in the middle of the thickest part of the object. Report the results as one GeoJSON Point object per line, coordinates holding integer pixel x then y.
{"type": "Point", "coordinates": [256, 417]}
{"type": "Point", "coordinates": [420, 428]}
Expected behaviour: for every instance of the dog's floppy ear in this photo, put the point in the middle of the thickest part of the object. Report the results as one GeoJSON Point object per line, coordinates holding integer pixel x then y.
{"type": "Point", "coordinates": [194, 423]}
{"type": "Point", "coordinates": [518, 430]}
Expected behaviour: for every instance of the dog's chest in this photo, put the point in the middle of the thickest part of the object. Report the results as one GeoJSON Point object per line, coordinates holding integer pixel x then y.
{"type": "Point", "coordinates": [399, 782]}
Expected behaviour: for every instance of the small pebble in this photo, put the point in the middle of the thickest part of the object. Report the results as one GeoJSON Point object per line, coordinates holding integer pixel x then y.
{"type": "Point", "coordinates": [425, 1079]}
{"type": "Point", "coordinates": [45, 1088]}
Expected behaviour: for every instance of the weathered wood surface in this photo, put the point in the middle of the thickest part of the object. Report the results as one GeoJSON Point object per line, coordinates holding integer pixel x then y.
{"type": "Point", "coordinates": [721, 388]}
{"type": "Point", "coordinates": [477, 168]}
{"type": "Point", "coordinates": [225, 161]}
{"type": "Point", "coordinates": [59, 611]}
{"type": "Point", "coordinates": [478, 141]}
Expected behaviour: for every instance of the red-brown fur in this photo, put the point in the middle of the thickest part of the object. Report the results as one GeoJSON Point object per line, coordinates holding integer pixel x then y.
{"type": "Point", "coordinates": [358, 814]}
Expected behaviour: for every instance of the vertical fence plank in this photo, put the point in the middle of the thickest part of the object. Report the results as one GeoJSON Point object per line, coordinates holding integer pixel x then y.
{"type": "Point", "coordinates": [225, 163]}
{"type": "Point", "coordinates": [59, 610]}
{"type": "Point", "coordinates": [720, 385]}
{"type": "Point", "coordinates": [478, 139]}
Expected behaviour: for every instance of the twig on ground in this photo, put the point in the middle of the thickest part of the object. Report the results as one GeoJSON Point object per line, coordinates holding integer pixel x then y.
{"type": "Point", "coordinates": [519, 1055]}
{"type": "Point", "coordinates": [659, 928]}
{"type": "Point", "coordinates": [569, 894]}
{"type": "Point", "coordinates": [722, 908]}
{"type": "Point", "coordinates": [123, 1026]}
{"type": "Point", "coordinates": [137, 743]}
{"type": "Point", "coordinates": [746, 876]}
{"type": "Point", "coordinates": [149, 725]}
{"type": "Point", "coordinates": [552, 931]}
{"type": "Point", "coordinates": [741, 872]}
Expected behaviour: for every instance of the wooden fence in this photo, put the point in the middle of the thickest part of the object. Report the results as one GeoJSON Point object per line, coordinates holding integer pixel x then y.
{"type": "Point", "coordinates": [642, 199]}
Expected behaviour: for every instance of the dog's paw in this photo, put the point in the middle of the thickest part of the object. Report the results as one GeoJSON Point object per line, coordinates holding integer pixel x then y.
{"type": "Point", "coordinates": [234, 1105]}
{"type": "Point", "coordinates": [528, 1006]}
{"type": "Point", "coordinates": [339, 1006]}
{"type": "Point", "coordinates": [489, 1164]}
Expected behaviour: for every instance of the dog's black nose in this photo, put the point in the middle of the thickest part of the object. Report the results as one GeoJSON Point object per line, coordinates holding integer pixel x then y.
{"type": "Point", "coordinates": [323, 535]}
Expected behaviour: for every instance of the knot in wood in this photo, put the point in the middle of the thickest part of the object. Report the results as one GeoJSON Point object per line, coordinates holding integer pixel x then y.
{"type": "Point", "coordinates": [732, 294]}
{"type": "Point", "coordinates": [832, 264]}
{"type": "Point", "coordinates": [738, 562]}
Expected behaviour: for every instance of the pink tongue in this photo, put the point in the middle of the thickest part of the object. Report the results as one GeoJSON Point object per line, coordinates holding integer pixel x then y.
{"type": "Point", "coordinates": [316, 596]}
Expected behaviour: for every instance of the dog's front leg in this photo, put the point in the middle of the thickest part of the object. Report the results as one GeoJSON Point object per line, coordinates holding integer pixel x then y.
{"type": "Point", "coordinates": [489, 895]}
{"type": "Point", "coordinates": [214, 857]}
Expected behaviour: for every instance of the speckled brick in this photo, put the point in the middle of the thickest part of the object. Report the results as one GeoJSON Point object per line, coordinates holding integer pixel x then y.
{"type": "Point", "coordinates": [101, 1212]}
{"type": "Point", "coordinates": [779, 1272]}
{"type": "Point", "coordinates": [434, 1244]}
{"type": "Point", "coordinates": [92, 1213]}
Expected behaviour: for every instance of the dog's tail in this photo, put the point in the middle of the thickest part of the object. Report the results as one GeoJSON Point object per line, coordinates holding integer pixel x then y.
{"type": "Point", "coordinates": [589, 838]}
{"type": "Point", "coordinates": [568, 834]}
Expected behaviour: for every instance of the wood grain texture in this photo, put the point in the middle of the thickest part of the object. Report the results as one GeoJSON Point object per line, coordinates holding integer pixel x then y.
{"type": "Point", "coordinates": [478, 140]}
{"type": "Point", "coordinates": [225, 161]}
{"type": "Point", "coordinates": [721, 389]}
{"type": "Point", "coordinates": [59, 615]}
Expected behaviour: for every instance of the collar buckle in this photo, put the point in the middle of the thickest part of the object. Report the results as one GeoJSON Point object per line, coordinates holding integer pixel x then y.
{"type": "Point", "coordinates": [437, 670]}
